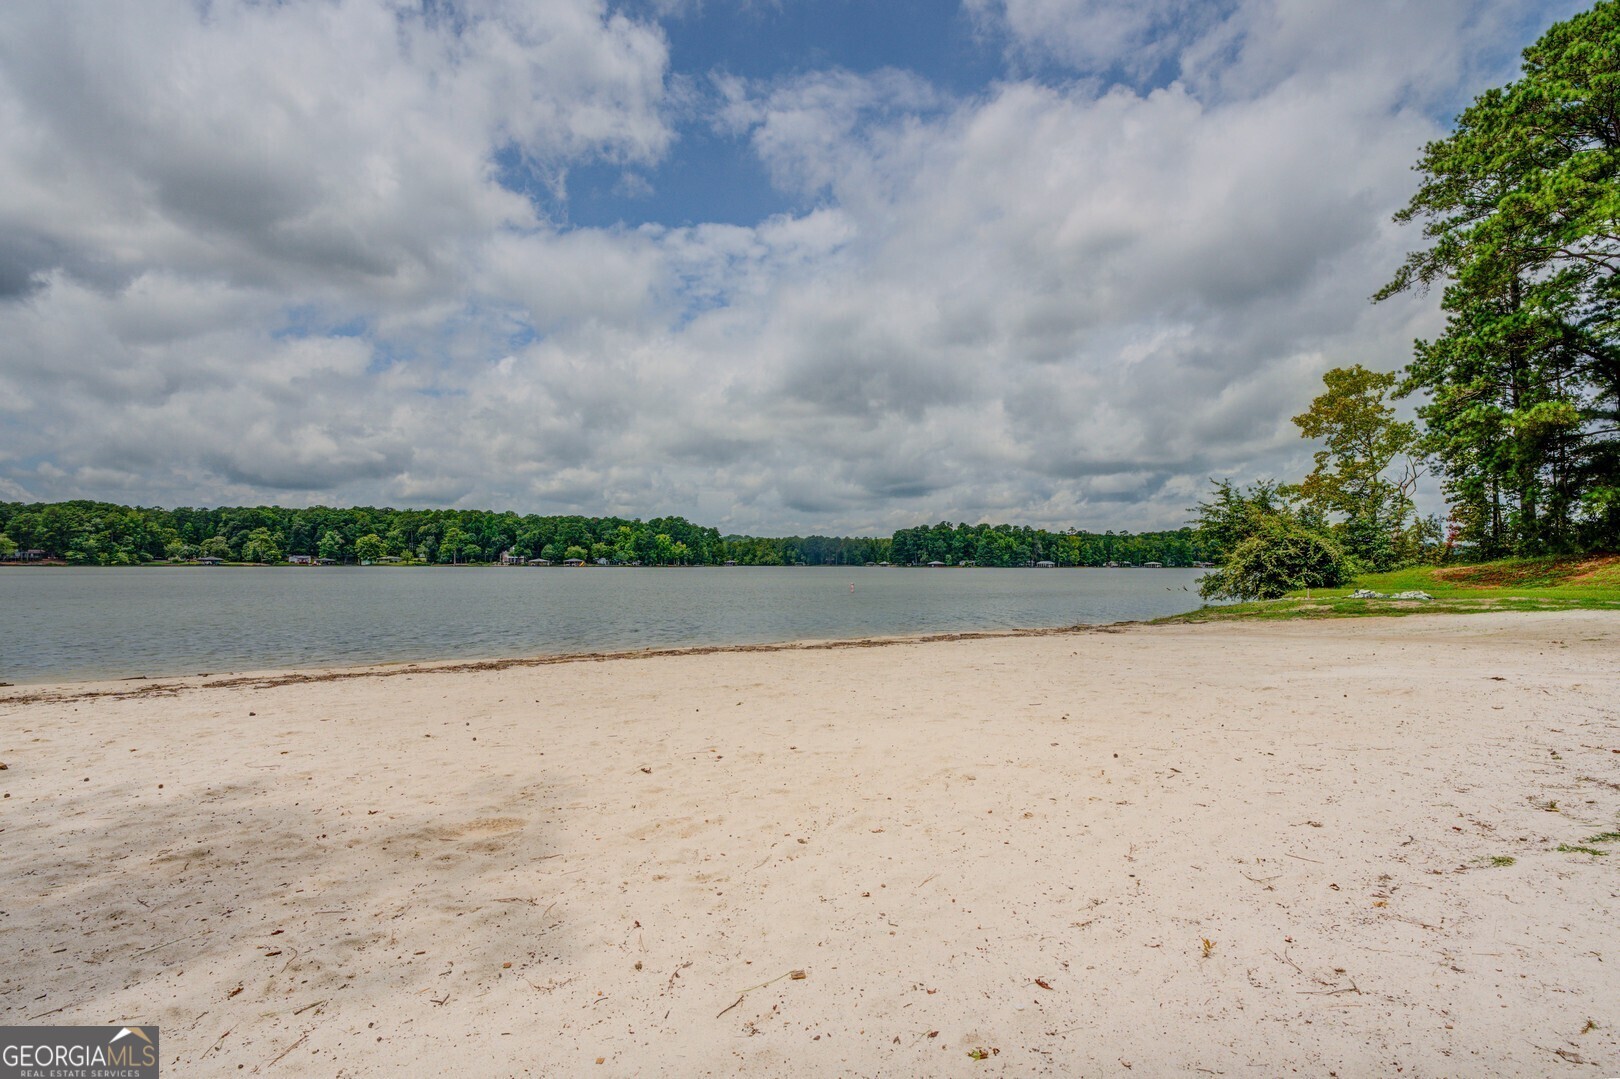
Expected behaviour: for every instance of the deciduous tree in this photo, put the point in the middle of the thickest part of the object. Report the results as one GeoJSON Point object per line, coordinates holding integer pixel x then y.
{"type": "Point", "coordinates": [1368, 467]}
{"type": "Point", "coordinates": [370, 548]}
{"type": "Point", "coordinates": [261, 546]}
{"type": "Point", "coordinates": [332, 546]}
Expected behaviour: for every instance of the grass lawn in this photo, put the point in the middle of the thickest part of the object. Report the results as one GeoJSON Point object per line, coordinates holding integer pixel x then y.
{"type": "Point", "coordinates": [1515, 584]}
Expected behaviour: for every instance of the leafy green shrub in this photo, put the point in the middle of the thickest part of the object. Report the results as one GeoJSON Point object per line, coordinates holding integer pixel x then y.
{"type": "Point", "coordinates": [1280, 556]}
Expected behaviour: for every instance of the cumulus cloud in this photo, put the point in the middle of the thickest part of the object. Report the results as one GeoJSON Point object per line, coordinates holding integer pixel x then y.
{"type": "Point", "coordinates": [1101, 35]}
{"type": "Point", "coordinates": [347, 144]}
{"type": "Point", "coordinates": [276, 252]}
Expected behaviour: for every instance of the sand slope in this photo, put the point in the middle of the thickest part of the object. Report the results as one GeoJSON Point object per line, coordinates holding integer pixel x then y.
{"type": "Point", "coordinates": [1015, 845]}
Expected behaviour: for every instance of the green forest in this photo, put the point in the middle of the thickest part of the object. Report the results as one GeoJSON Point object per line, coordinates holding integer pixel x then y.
{"type": "Point", "coordinates": [103, 534]}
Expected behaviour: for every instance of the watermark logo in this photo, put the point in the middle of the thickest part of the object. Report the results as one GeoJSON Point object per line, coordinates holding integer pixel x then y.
{"type": "Point", "coordinates": [78, 1052]}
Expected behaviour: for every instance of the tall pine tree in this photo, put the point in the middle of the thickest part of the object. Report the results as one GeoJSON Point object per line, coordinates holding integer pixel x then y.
{"type": "Point", "coordinates": [1522, 207]}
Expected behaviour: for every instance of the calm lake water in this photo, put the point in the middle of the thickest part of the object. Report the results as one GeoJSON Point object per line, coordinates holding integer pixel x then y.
{"type": "Point", "coordinates": [67, 624]}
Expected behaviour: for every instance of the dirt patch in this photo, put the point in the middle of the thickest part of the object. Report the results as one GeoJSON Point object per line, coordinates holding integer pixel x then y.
{"type": "Point", "coordinates": [1542, 572]}
{"type": "Point", "coordinates": [1604, 570]}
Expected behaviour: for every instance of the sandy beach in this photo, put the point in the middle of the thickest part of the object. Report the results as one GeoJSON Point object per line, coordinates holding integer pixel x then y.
{"type": "Point", "coordinates": [1238, 849]}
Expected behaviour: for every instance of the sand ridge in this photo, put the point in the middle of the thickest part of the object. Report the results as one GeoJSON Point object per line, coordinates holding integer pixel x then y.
{"type": "Point", "coordinates": [1220, 847]}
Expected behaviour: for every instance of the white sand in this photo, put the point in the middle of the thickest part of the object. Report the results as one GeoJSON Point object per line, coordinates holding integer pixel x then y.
{"type": "Point", "coordinates": [1016, 844]}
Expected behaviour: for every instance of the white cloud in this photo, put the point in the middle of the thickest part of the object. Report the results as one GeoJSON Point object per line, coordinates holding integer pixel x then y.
{"type": "Point", "coordinates": [1106, 293]}
{"type": "Point", "coordinates": [808, 130]}
{"type": "Point", "coordinates": [294, 146]}
{"type": "Point", "coordinates": [1100, 35]}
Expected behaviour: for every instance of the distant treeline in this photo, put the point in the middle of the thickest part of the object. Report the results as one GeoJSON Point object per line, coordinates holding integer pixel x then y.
{"type": "Point", "coordinates": [1012, 545]}
{"type": "Point", "coordinates": [100, 533]}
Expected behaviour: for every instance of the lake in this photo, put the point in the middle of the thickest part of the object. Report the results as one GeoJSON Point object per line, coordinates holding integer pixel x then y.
{"type": "Point", "coordinates": [66, 624]}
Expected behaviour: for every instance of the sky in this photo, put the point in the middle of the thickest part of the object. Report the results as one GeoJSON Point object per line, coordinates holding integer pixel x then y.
{"type": "Point", "coordinates": [778, 266]}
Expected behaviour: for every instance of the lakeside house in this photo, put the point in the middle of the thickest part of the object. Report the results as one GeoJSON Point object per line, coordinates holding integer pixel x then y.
{"type": "Point", "coordinates": [209, 560]}
{"type": "Point", "coordinates": [573, 561]}
{"type": "Point", "coordinates": [1152, 565]}
{"type": "Point", "coordinates": [1045, 565]}
{"type": "Point", "coordinates": [539, 561]}
{"type": "Point", "coordinates": [301, 559]}
{"type": "Point", "coordinates": [936, 565]}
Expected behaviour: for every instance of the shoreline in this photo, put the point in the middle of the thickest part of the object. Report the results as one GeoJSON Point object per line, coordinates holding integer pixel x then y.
{"type": "Point", "coordinates": [269, 677]}
{"type": "Point", "coordinates": [118, 687]}
{"type": "Point", "coordinates": [1356, 845]}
